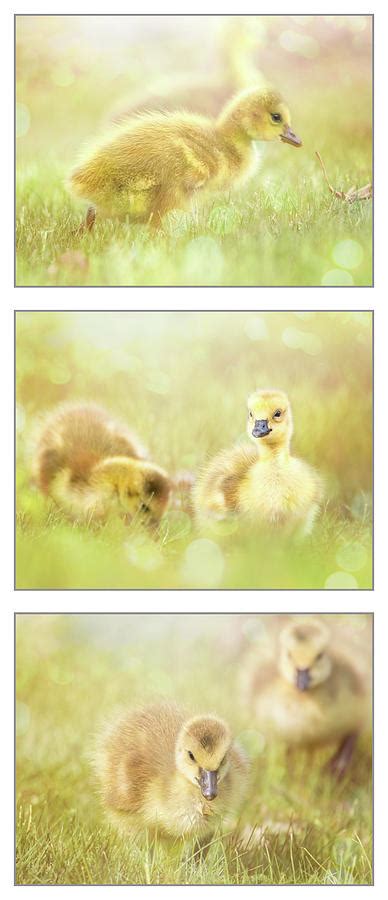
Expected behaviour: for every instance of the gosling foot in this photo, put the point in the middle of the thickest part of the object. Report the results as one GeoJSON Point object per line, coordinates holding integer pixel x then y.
{"type": "Point", "coordinates": [339, 763]}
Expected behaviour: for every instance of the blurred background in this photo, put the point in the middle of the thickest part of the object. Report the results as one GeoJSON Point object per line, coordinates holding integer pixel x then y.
{"type": "Point", "coordinates": [75, 75]}
{"type": "Point", "coordinates": [181, 381]}
{"type": "Point", "coordinates": [74, 671]}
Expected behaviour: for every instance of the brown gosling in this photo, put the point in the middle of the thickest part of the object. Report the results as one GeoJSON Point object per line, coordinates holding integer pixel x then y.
{"type": "Point", "coordinates": [93, 466]}
{"type": "Point", "coordinates": [311, 695]}
{"type": "Point", "coordinates": [157, 162]}
{"type": "Point", "coordinates": [164, 772]}
{"type": "Point", "coordinates": [264, 483]}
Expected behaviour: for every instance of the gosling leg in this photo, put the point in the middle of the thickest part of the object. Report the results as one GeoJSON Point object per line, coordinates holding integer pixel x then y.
{"type": "Point", "coordinates": [165, 200]}
{"type": "Point", "coordinates": [214, 507]}
{"type": "Point", "coordinates": [88, 224]}
{"type": "Point", "coordinates": [183, 484]}
{"type": "Point", "coordinates": [201, 849]}
{"type": "Point", "coordinates": [339, 763]}
{"type": "Point", "coordinates": [90, 218]}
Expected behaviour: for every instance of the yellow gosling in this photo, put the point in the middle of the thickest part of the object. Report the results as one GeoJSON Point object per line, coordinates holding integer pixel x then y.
{"type": "Point", "coordinates": [157, 162]}
{"type": "Point", "coordinates": [264, 483]}
{"type": "Point", "coordinates": [168, 773]}
{"type": "Point", "coordinates": [312, 694]}
{"type": "Point", "coordinates": [93, 466]}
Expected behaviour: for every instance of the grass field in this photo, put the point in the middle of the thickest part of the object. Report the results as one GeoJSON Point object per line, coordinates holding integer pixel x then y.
{"type": "Point", "coordinates": [284, 228]}
{"type": "Point", "coordinates": [74, 670]}
{"type": "Point", "coordinates": [181, 381]}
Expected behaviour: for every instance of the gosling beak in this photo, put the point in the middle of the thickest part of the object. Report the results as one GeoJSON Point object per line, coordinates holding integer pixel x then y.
{"type": "Point", "coordinates": [208, 784]}
{"type": "Point", "coordinates": [289, 137]}
{"type": "Point", "coordinates": [302, 679]}
{"type": "Point", "coordinates": [261, 428]}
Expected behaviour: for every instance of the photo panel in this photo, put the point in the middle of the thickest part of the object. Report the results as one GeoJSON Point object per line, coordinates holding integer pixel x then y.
{"type": "Point", "coordinates": [194, 749]}
{"type": "Point", "coordinates": [177, 450]}
{"type": "Point", "coordinates": [194, 150]}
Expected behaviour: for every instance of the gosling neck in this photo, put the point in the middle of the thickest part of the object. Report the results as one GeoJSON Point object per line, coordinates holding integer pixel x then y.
{"type": "Point", "coordinates": [231, 130]}
{"type": "Point", "coordinates": [279, 453]}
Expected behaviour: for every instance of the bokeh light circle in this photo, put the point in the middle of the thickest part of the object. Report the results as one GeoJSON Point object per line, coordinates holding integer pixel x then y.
{"type": "Point", "coordinates": [351, 557]}
{"type": "Point", "coordinates": [341, 581]}
{"type": "Point", "coordinates": [348, 254]}
{"type": "Point", "coordinates": [337, 278]}
{"type": "Point", "coordinates": [203, 563]}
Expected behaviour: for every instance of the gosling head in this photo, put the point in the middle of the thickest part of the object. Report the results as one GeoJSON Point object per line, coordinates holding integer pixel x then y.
{"type": "Point", "coordinates": [270, 418]}
{"type": "Point", "coordinates": [304, 658]}
{"type": "Point", "coordinates": [142, 489]}
{"type": "Point", "coordinates": [262, 116]}
{"type": "Point", "coordinates": [202, 753]}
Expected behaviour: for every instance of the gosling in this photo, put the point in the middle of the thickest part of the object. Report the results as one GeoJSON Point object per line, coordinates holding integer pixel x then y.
{"type": "Point", "coordinates": [264, 483]}
{"type": "Point", "coordinates": [177, 776]}
{"type": "Point", "coordinates": [156, 162]}
{"type": "Point", "coordinates": [310, 695]}
{"type": "Point", "coordinates": [93, 467]}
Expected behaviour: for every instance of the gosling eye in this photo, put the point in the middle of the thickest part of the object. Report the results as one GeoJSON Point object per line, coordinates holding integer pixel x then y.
{"type": "Point", "coordinates": [277, 414]}
{"type": "Point", "coordinates": [144, 508]}
{"type": "Point", "coordinates": [251, 415]}
{"type": "Point", "coordinates": [191, 755]}
{"type": "Point", "coordinates": [276, 117]}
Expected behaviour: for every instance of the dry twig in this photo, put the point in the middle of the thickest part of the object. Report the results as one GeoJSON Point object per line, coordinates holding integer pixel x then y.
{"type": "Point", "coordinates": [364, 193]}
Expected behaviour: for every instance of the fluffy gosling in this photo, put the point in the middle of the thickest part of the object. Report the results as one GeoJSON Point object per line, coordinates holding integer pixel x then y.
{"type": "Point", "coordinates": [161, 771]}
{"type": "Point", "coordinates": [157, 162]}
{"type": "Point", "coordinates": [265, 483]}
{"type": "Point", "coordinates": [92, 467]}
{"type": "Point", "coordinates": [310, 695]}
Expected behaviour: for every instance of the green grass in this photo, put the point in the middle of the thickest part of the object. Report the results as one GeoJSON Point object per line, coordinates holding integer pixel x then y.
{"type": "Point", "coordinates": [71, 673]}
{"type": "Point", "coordinates": [51, 553]}
{"type": "Point", "coordinates": [286, 232]}
{"type": "Point", "coordinates": [181, 381]}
